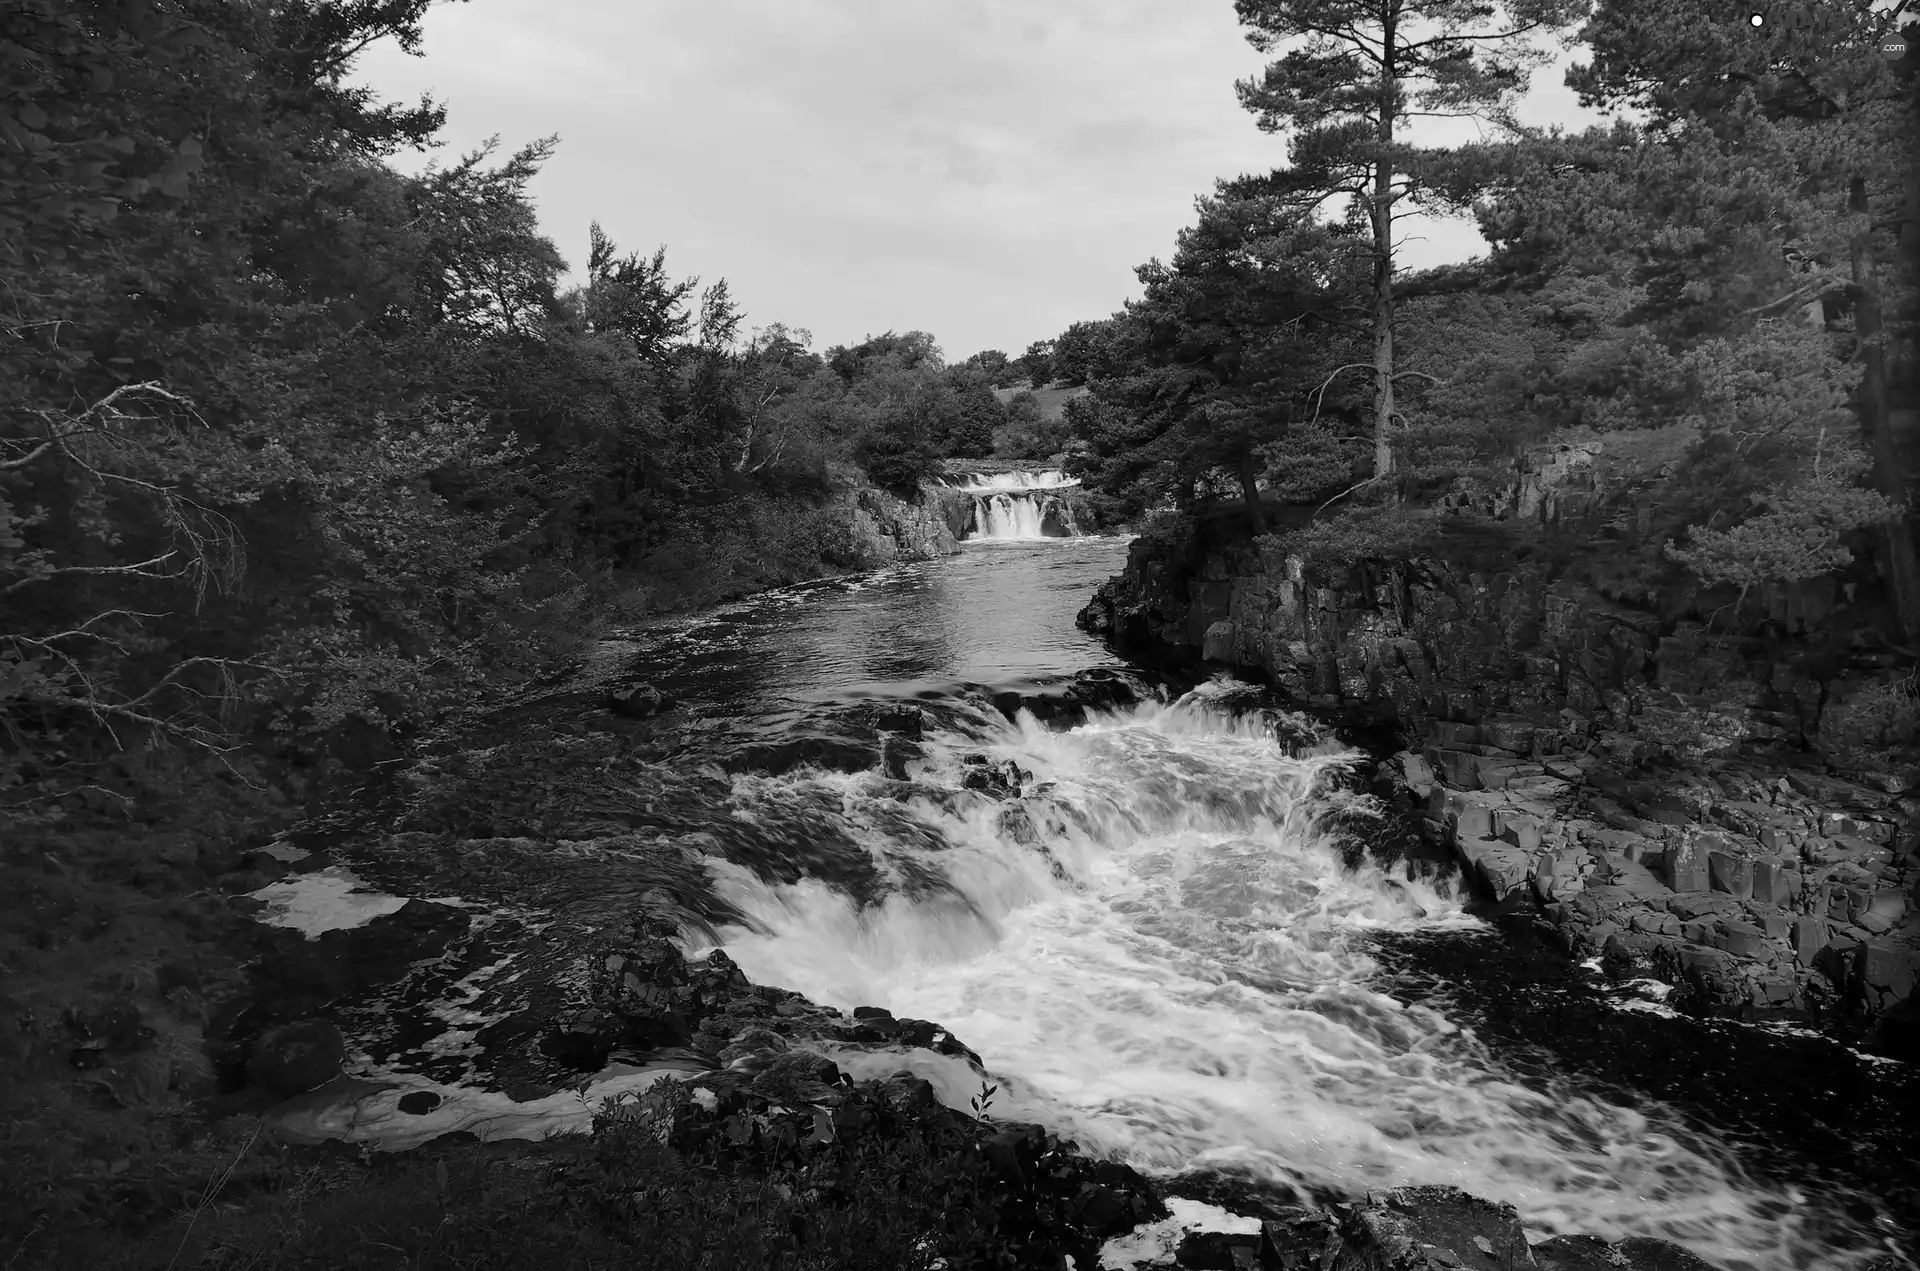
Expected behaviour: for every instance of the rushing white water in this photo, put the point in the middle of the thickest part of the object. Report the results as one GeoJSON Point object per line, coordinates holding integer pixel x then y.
{"type": "Point", "coordinates": [996, 482]}
{"type": "Point", "coordinates": [1018, 506]}
{"type": "Point", "coordinates": [1171, 965]}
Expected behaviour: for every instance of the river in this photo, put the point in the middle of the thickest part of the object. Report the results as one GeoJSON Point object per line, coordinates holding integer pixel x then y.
{"type": "Point", "coordinates": [1169, 947]}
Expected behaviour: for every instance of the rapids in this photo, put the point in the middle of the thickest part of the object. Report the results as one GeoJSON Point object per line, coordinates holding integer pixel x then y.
{"type": "Point", "coordinates": [1166, 943]}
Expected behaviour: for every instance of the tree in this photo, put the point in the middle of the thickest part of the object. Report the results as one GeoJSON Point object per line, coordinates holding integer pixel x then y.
{"type": "Point", "coordinates": [977, 414]}
{"type": "Point", "coordinates": [909, 350]}
{"type": "Point", "coordinates": [1082, 351]}
{"type": "Point", "coordinates": [1796, 148]}
{"type": "Point", "coordinates": [1221, 368]}
{"type": "Point", "coordinates": [486, 266]}
{"type": "Point", "coordinates": [1036, 363]}
{"type": "Point", "coordinates": [1368, 66]}
{"type": "Point", "coordinates": [992, 363]}
{"type": "Point", "coordinates": [633, 296]}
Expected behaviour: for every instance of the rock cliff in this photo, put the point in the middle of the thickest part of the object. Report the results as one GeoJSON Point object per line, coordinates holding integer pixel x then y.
{"type": "Point", "coordinates": [1646, 784]}
{"type": "Point", "coordinates": [889, 529]}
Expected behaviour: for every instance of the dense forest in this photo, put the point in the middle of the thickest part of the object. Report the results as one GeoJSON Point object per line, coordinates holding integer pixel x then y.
{"type": "Point", "coordinates": [297, 451]}
{"type": "Point", "coordinates": [1717, 288]}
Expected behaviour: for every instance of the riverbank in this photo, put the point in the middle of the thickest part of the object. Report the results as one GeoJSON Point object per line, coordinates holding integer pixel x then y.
{"type": "Point", "coordinates": [125, 944]}
{"type": "Point", "coordinates": [732, 1138]}
{"type": "Point", "coordinates": [1641, 781]}
{"type": "Point", "coordinates": [492, 978]}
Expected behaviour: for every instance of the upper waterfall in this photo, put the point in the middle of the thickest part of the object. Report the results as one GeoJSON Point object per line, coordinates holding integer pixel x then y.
{"type": "Point", "coordinates": [1019, 504]}
{"type": "Point", "coordinates": [1002, 482]}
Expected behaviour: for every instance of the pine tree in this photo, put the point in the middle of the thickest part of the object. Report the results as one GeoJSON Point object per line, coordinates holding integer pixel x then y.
{"type": "Point", "coordinates": [1366, 67]}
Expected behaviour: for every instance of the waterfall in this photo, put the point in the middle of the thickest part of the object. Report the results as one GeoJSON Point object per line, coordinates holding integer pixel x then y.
{"type": "Point", "coordinates": [1019, 505]}
{"type": "Point", "coordinates": [1160, 950]}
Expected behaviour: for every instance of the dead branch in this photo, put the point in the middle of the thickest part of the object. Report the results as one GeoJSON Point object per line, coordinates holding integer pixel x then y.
{"type": "Point", "coordinates": [137, 570]}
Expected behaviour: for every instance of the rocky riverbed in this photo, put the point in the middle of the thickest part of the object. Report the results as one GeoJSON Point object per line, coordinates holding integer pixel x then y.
{"type": "Point", "coordinates": [1651, 791]}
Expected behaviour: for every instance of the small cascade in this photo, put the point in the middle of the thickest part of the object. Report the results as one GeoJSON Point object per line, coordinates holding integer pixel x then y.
{"type": "Point", "coordinates": [1019, 505]}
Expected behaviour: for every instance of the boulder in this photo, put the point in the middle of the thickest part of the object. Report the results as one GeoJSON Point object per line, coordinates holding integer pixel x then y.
{"type": "Point", "coordinates": [636, 701]}
{"type": "Point", "coordinates": [1556, 875]}
{"type": "Point", "coordinates": [1414, 772]}
{"type": "Point", "coordinates": [1774, 882]}
{"type": "Point", "coordinates": [1886, 970]}
{"type": "Point", "coordinates": [1520, 827]}
{"type": "Point", "coordinates": [1730, 874]}
{"type": "Point", "coordinates": [1686, 867]}
{"type": "Point", "coordinates": [1501, 866]}
{"type": "Point", "coordinates": [1456, 768]}
{"type": "Point", "coordinates": [1509, 734]}
{"type": "Point", "coordinates": [1414, 1228]}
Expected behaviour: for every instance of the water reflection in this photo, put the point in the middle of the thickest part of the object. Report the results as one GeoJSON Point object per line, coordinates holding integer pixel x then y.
{"type": "Point", "coordinates": [997, 614]}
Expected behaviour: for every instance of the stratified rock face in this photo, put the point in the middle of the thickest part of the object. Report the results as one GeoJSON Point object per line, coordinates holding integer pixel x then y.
{"type": "Point", "coordinates": [1426, 639]}
{"type": "Point", "coordinates": [1641, 782]}
{"type": "Point", "coordinates": [890, 529]}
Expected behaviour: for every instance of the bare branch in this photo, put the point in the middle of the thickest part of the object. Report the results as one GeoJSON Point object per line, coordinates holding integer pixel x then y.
{"type": "Point", "coordinates": [1344, 493]}
{"type": "Point", "coordinates": [1320, 393]}
{"type": "Point", "coordinates": [137, 570]}
{"type": "Point", "coordinates": [11, 464]}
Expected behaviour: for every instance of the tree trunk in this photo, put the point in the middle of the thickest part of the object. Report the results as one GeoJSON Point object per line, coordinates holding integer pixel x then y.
{"type": "Point", "coordinates": [1382, 218]}
{"type": "Point", "coordinates": [1900, 563]}
{"type": "Point", "coordinates": [1250, 490]}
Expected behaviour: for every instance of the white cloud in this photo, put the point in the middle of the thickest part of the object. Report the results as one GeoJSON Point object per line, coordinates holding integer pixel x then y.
{"type": "Point", "coordinates": [987, 170]}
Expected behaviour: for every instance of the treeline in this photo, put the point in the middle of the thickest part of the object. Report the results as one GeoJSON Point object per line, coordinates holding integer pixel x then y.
{"type": "Point", "coordinates": [1721, 293]}
{"type": "Point", "coordinates": [297, 450]}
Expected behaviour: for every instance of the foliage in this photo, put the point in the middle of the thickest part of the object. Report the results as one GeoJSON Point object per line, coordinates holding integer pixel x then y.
{"type": "Point", "coordinates": [1028, 433]}
{"type": "Point", "coordinates": [297, 451]}
{"type": "Point", "coordinates": [1355, 71]}
{"type": "Point", "coordinates": [1797, 532]}
{"type": "Point", "coordinates": [1877, 727]}
{"type": "Point", "coordinates": [1387, 531]}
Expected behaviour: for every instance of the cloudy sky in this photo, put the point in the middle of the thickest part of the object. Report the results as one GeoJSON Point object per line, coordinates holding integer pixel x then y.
{"type": "Point", "coordinates": [987, 170]}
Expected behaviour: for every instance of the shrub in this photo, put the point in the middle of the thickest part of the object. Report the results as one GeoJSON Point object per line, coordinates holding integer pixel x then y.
{"type": "Point", "coordinates": [1871, 728]}
{"type": "Point", "coordinates": [1390, 531]}
{"type": "Point", "coordinates": [898, 464]}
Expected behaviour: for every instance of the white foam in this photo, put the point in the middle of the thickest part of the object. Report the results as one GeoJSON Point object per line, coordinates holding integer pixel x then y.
{"type": "Point", "coordinates": [1158, 1242]}
{"type": "Point", "coordinates": [1177, 974]}
{"type": "Point", "coordinates": [997, 482]}
{"type": "Point", "coordinates": [329, 899]}
{"type": "Point", "coordinates": [367, 1110]}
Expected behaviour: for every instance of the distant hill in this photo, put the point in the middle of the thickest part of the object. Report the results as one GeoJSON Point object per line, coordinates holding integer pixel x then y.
{"type": "Point", "coordinates": [1053, 397]}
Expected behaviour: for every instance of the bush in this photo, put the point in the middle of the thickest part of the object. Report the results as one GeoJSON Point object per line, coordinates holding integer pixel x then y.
{"type": "Point", "coordinates": [897, 464]}
{"type": "Point", "coordinates": [1391, 531]}
{"type": "Point", "coordinates": [1873, 727]}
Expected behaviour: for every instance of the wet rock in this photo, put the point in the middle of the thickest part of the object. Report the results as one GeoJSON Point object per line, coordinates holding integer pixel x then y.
{"type": "Point", "coordinates": [1111, 1198]}
{"type": "Point", "coordinates": [419, 1102]}
{"type": "Point", "coordinates": [1886, 971]}
{"type": "Point", "coordinates": [797, 1077]}
{"type": "Point", "coordinates": [636, 701]}
{"type": "Point", "coordinates": [1590, 1253]}
{"type": "Point", "coordinates": [1630, 955]}
{"type": "Point", "coordinates": [833, 745]}
{"type": "Point", "coordinates": [1415, 1228]}
{"type": "Point", "coordinates": [292, 1059]}
{"type": "Point", "coordinates": [1003, 779]}
{"type": "Point", "coordinates": [896, 753]}
{"type": "Point", "coordinates": [1218, 1250]}
{"type": "Point", "coordinates": [1502, 867]}
{"type": "Point", "coordinates": [1298, 1243]}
